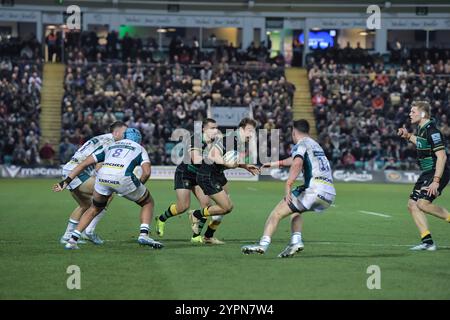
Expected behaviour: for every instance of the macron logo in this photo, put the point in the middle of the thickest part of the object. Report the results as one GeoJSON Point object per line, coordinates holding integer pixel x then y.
{"type": "Point", "coordinates": [12, 171]}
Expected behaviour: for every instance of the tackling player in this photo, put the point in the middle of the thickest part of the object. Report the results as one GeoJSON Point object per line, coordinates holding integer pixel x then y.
{"type": "Point", "coordinates": [82, 186]}
{"type": "Point", "coordinates": [317, 194]}
{"type": "Point", "coordinates": [212, 180]}
{"type": "Point", "coordinates": [116, 175]}
{"type": "Point", "coordinates": [185, 180]}
{"type": "Point", "coordinates": [432, 158]}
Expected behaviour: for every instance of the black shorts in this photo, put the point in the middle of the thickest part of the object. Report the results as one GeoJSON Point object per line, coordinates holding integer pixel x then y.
{"type": "Point", "coordinates": [211, 183]}
{"type": "Point", "coordinates": [425, 179]}
{"type": "Point", "coordinates": [185, 179]}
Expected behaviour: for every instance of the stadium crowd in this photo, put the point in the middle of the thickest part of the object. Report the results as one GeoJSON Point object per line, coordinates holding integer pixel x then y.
{"type": "Point", "coordinates": [359, 106]}
{"type": "Point", "coordinates": [20, 85]}
{"type": "Point", "coordinates": [159, 93]}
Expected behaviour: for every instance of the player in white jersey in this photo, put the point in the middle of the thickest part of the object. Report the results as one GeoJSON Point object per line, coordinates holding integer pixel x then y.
{"type": "Point", "coordinates": [116, 176]}
{"type": "Point", "coordinates": [82, 186]}
{"type": "Point", "coordinates": [317, 194]}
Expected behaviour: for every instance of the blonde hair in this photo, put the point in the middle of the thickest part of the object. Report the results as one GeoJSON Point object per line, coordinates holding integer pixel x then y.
{"type": "Point", "coordinates": [423, 106]}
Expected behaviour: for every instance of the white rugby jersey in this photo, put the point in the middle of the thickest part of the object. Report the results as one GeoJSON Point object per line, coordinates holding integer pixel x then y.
{"type": "Point", "coordinates": [121, 158]}
{"type": "Point", "coordinates": [89, 147]}
{"type": "Point", "coordinates": [316, 167]}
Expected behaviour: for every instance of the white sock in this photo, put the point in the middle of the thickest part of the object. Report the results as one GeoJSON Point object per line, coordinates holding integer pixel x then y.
{"type": "Point", "coordinates": [91, 227]}
{"type": "Point", "coordinates": [144, 229]}
{"type": "Point", "coordinates": [296, 237]}
{"type": "Point", "coordinates": [71, 225]}
{"type": "Point", "coordinates": [265, 241]}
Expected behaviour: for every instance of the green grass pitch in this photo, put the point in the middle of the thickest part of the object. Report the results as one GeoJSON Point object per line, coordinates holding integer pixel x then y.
{"type": "Point", "coordinates": [339, 247]}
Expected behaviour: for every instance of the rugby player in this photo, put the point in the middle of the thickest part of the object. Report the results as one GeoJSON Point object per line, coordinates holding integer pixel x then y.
{"type": "Point", "coordinates": [212, 180]}
{"type": "Point", "coordinates": [116, 175]}
{"type": "Point", "coordinates": [82, 186]}
{"type": "Point", "coordinates": [432, 159]}
{"type": "Point", "coordinates": [185, 180]}
{"type": "Point", "coordinates": [317, 193]}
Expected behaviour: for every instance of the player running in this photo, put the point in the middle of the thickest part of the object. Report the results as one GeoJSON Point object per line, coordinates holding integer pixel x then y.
{"type": "Point", "coordinates": [432, 158]}
{"type": "Point", "coordinates": [116, 175]}
{"type": "Point", "coordinates": [212, 180]}
{"type": "Point", "coordinates": [317, 193]}
{"type": "Point", "coordinates": [82, 186]}
{"type": "Point", "coordinates": [185, 180]}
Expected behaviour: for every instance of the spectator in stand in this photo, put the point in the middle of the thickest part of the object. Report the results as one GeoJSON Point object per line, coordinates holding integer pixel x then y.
{"type": "Point", "coordinates": [47, 153]}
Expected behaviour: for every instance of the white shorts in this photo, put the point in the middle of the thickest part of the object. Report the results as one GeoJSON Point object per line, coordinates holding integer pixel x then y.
{"type": "Point", "coordinates": [312, 199]}
{"type": "Point", "coordinates": [77, 181]}
{"type": "Point", "coordinates": [128, 187]}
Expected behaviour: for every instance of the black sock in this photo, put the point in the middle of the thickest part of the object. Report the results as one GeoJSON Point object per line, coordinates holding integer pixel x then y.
{"type": "Point", "coordinates": [427, 239]}
{"type": "Point", "coordinates": [198, 214]}
{"type": "Point", "coordinates": [209, 232]}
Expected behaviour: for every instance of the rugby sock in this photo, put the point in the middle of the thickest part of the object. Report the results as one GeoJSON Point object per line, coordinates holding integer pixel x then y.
{"type": "Point", "coordinates": [426, 237]}
{"type": "Point", "coordinates": [71, 225]}
{"type": "Point", "coordinates": [91, 227]}
{"type": "Point", "coordinates": [265, 241]}
{"type": "Point", "coordinates": [448, 218]}
{"type": "Point", "coordinates": [296, 237]}
{"type": "Point", "coordinates": [144, 229]}
{"type": "Point", "coordinates": [212, 227]}
{"type": "Point", "coordinates": [198, 214]}
{"type": "Point", "coordinates": [170, 212]}
{"type": "Point", "coordinates": [76, 235]}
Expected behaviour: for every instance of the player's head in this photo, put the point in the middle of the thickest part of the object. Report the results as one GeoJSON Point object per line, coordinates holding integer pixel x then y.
{"type": "Point", "coordinates": [300, 129]}
{"type": "Point", "coordinates": [210, 128]}
{"type": "Point", "coordinates": [133, 134]}
{"type": "Point", "coordinates": [247, 128]}
{"type": "Point", "coordinates": [117, 128]}
{"type": "Point", "coordinates": [420, 110]}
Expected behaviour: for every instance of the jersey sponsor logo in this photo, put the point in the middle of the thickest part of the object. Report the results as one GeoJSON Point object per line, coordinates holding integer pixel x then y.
{"type": "Point", "coordinates": [114, 165]}
{"type": "Point", "coordinates": [107, 181]}
{"type": "Point", "coordinates": [436, 137]}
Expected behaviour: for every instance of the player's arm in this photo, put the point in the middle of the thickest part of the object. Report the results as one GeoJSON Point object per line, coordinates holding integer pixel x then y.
{"type": "Point", "coordinates": [294, 171]}
{"type": "Point", "coordinates": [281, 163]}
{"type": "Point", "coordinates": [216, 155]}
{"type": "Point", "coordinates": [145, 166]}
{"type": "Point", "coordinates": [60, 186]}
{"type": "Point", "coordinates": [196, 156]}
{"type": "Point", "coordinates": [437, 145]}
{"type": "Point", "coordinates": [146, 172]}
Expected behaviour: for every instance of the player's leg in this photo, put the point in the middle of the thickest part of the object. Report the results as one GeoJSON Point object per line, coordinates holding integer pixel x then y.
{"type": "Point", "coordinates": [144, 199]}
{"type": "Point", "coordinates": [425, 204]}
{"type": "Point", "coordinates": [204, 201]}
{"type": "Point", "coordinates": [281, 211]}
{"type": "Point", "coordinates": [183, 183]}
{"type": "Point", "coordinates": [214, 223]}
{"type": "Point", "coordinates": [422, 224]}
{"type": "Point", "coordinates": [90, 233]}
{"type": "Point", "coordinates": [182, 204]}
{"type": "Point", "coordinates": [84, 201]}
{"type": "Point", "coordinates": [99, 202]}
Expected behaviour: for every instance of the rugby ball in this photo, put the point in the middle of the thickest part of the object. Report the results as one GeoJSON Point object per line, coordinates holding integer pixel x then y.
{"type": "Point", "coordinates": [231, 157]}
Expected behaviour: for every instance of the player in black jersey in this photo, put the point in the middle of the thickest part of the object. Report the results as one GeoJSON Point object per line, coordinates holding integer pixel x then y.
{"type": "Point", "coordinates": [185, 179]}
{"type": "Point", "coordinates": [212, 180]}
{"type": "Point", "coordinates": [435, 175]}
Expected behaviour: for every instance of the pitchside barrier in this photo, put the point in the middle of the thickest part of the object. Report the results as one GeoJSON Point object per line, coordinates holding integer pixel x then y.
{"type": "Point", "coordinates": [158, 173]}
{"type": "Point", "coordinates": [167, 173]}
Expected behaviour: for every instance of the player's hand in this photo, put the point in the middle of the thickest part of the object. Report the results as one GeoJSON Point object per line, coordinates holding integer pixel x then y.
{"type": "Point", "coordinates": [254, 170]}
{"type": "Point", "coordinates": [432, 189]}
{"type": "Point", "coordinates": [60, 186]}
{"type": "Point", "coordinates": [403, 133]}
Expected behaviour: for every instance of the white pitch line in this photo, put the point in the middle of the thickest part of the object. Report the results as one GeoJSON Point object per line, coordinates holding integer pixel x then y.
{"type": "Point", "coordinates": [376, 214]}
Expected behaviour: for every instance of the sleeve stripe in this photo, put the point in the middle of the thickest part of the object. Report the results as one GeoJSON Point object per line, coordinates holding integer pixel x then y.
{"type": "Point", "coordinates": [438, 148]}
{"type": "Point", "coordinates": [298, 155]}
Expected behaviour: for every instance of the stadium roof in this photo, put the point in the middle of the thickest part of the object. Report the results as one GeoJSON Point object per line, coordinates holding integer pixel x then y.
{"type": "Point", "coordinates": [435, 6]}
